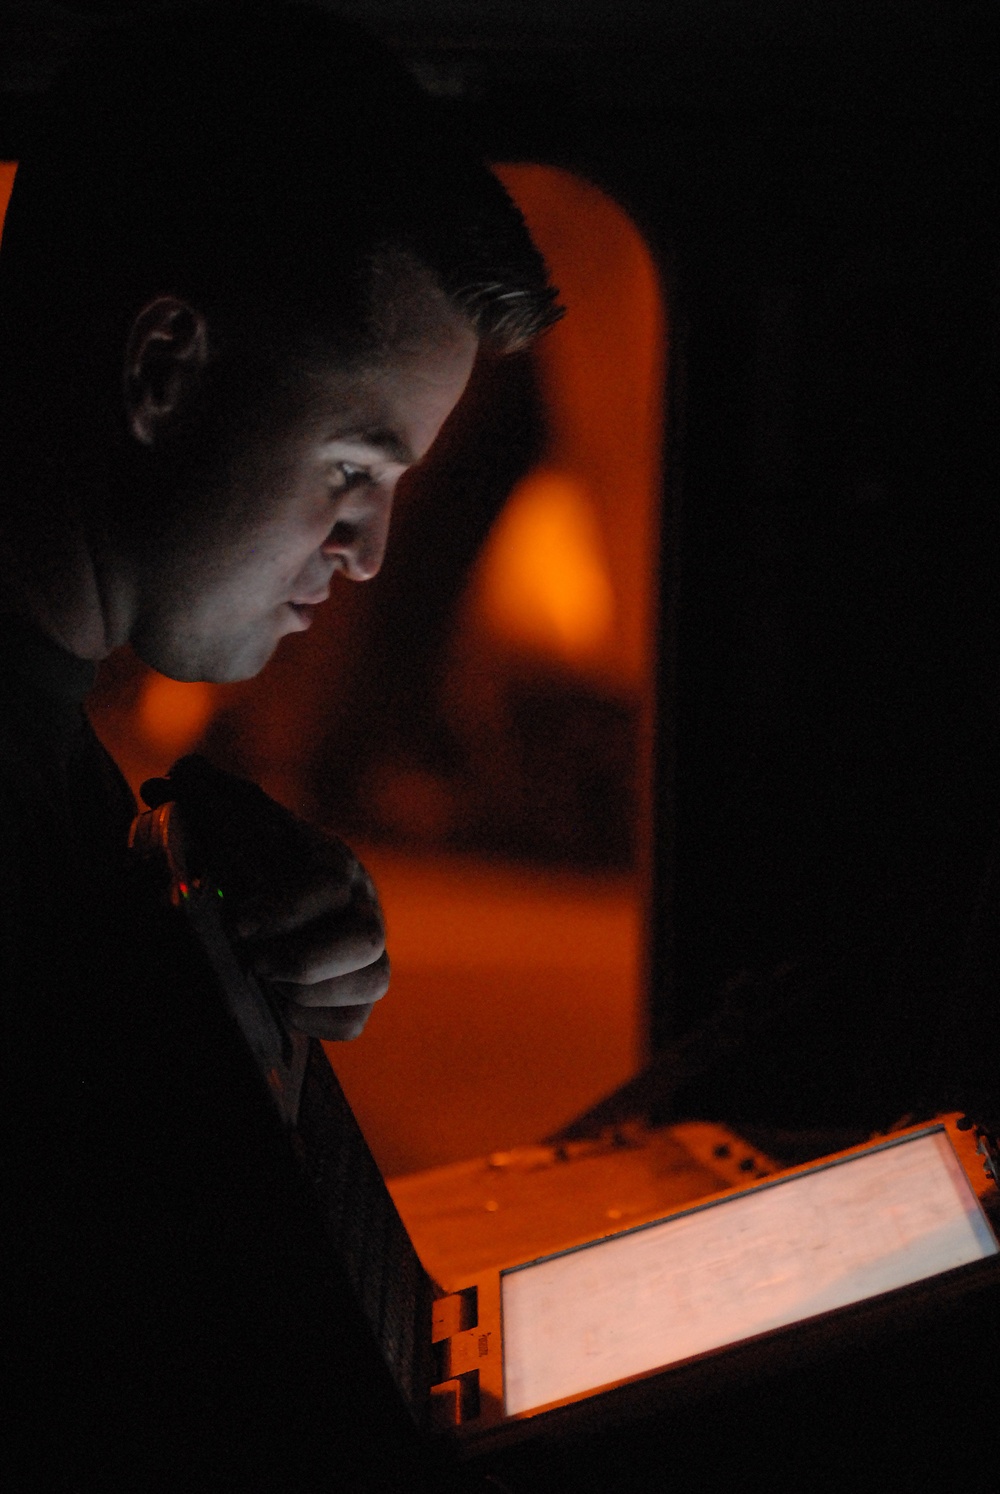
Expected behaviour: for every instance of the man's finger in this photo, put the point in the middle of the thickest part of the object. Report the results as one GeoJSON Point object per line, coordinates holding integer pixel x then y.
{"type": "Point", "coordinates": [290, 908]}
{"type": "Point", "coordinates": [329, 948]}
{"type": "Point", "coordinates": [334, 1024]}
{"type": "Point", "coordinates": [358, 988]}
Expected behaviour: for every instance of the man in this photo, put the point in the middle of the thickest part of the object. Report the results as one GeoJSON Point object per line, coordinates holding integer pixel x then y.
{"type": "Point", "coordinates": [244, 280]}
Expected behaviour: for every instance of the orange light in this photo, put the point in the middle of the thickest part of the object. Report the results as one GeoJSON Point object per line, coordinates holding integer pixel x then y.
{"type": "Point", "coordinates": [544, 580]}
{"type": "Point", "coordinates": [7, 170]}
{"type": "Point", "coordinates": [172, 714]}
{"type": "Point", "coordinates": [600, 373]}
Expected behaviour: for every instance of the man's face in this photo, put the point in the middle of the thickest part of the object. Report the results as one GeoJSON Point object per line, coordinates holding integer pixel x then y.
{"type": "Point", "coordinates": [298, 486]}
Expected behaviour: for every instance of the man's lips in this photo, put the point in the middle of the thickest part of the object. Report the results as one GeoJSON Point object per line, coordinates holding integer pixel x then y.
{"type": "Point", "coordinates": [316, 599]}
{"type": "Point", "coordinates": [303, 609]}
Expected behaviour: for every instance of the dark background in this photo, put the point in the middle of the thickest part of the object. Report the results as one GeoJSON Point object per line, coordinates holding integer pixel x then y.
{"type": "Point", "coordinates": [816, 184]}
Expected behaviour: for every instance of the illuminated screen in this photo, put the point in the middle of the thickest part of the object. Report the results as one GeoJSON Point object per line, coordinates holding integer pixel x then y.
{"type": "Point", "coordinates": [784, 1251]}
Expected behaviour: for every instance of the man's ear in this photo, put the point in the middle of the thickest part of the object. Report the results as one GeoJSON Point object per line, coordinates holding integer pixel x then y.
{"type": "Point", "coordinates": [165, 358]}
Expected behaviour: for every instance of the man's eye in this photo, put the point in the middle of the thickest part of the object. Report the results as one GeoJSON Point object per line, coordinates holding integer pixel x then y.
{"type": "Point", "coordinates": [346, 477]}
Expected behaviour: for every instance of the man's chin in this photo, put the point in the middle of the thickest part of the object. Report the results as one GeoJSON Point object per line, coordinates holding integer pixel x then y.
{"type": "Point", "coordinates": [230, 670]}
{"type": "Point", "coordinates": [221, 662]}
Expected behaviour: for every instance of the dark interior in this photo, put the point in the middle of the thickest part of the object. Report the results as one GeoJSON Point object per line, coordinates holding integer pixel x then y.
{"type": "Point", "coordinates": [816, 185]}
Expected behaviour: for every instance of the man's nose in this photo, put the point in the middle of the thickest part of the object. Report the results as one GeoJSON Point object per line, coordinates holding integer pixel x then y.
{"type": "Point", "coordinates": [360, 543]}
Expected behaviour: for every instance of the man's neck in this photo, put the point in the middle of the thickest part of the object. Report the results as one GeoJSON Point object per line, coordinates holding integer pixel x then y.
{"type": "Point", "coordinates": [52, 580]}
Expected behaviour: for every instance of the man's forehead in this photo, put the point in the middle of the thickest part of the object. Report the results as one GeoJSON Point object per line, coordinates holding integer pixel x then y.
{"type": "Point", "coordinates": [393, 406]}
{"type": "Point", "coordinates": [348, 403]}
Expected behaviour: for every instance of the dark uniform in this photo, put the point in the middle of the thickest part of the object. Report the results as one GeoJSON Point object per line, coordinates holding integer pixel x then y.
{"type": "Point", "coordinates": [174, 1324]}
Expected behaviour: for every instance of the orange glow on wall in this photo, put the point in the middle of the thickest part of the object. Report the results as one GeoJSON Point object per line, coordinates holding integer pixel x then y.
{"type": "Point", "coordinates": [544, 580]}
{"type": "Point", "coordinates": [601, 373]}
{"type": "Point", "coordinates": [173, 714]}
{"type": "Point", "coordinates": [512, 1006]}
{"type": "Point", "coordinates": [7, 170]}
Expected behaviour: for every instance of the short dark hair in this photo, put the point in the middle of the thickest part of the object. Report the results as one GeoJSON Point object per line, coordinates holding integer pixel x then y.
{"type": "Point", "coordinates": [260, 157]}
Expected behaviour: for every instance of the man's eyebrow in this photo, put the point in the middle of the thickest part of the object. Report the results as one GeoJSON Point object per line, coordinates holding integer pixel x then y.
{"type": "Point", "coordinates": [384, 440]}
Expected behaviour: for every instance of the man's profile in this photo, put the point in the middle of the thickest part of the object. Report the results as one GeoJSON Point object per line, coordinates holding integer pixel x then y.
{"type": "Point", "coordinates": [244, 279]}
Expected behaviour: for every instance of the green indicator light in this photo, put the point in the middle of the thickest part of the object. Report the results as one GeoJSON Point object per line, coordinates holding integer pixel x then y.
{"type": "Point", "coordinates": [219, 891]}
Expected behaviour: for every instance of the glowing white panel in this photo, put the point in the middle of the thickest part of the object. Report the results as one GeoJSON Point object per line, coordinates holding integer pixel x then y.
{"type": "Point", "coordinates": [782, 1252]}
